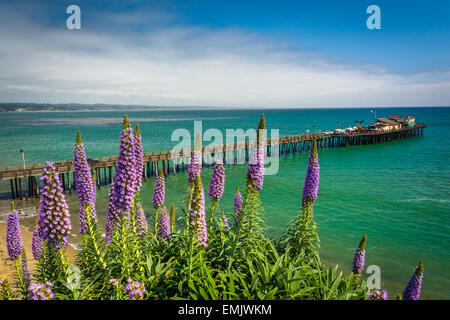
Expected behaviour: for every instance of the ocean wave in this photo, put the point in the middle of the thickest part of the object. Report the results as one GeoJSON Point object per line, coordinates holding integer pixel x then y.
{"type": "Point", "coordinates": [23, 213]}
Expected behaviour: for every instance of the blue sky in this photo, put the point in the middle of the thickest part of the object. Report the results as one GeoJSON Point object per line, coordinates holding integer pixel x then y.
{"type": "Point", "coordinates": [227, 53]}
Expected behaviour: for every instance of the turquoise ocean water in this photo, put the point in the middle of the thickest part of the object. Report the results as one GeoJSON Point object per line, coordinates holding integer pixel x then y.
{"type": "Point", "coordinates": [396, 192]}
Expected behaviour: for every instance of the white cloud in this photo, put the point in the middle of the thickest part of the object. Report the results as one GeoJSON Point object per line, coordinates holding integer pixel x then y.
{"type": "Point", "coordinates": [191, 66]}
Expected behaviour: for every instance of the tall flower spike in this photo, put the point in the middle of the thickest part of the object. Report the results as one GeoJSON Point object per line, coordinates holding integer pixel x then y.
{"type": "Point", "coordinates": [225, 222]}
{"type": "Point", "coordinates": [311, 185]}
{"type": "Point", "coordinates": [84, 183]}
{"type": "Point", "coordinates": [141, 220]}
{"type": "Point", "coordinates": [255, 173]}
{"type": "Point", "coordinates": [238, 205]}
{"type": "Point", "coordinates": [26, 275]}
{"type": "Point", "coordinates": [163, 224]}
{"type": "Point", "coordinates": [54, 217]}
{"type": "Point", "coordinates": [217, 184]}
{"type": "Point", "coordinates": [14, 241]}
{"type": "Point", "coordinates": [195, 166]}
{"type": "Point", "coordinates": [36, 243]}
{"type": "Point", "coordinates": [111, 215]}
{"type": "Point", "coordinates": [160, 190]}
{"type": "Point", "coordinates": [138, 153]}
{"type": "Point", "coordinates": [197, 217]}
{"type": "Point", "coordinates": [358, 260]}
{"type": "Point", "coordinates": [172, 217]}
{"type": "Point", "coordinates": [124, 183]}
{"type": "Point", "coordinates": [414, 286]}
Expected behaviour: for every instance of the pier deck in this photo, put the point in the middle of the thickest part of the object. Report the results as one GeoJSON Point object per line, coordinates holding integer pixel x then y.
{"type": "Point", "coordinates": [232, 153]}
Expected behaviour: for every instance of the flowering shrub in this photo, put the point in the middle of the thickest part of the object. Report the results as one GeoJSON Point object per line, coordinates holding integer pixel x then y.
{"type": "Point", "coordinates": [184, 257]}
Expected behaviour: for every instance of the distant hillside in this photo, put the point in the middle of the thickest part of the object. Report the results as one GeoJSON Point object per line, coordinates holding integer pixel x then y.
{"type": "Point", "coordinates": [24, 107]}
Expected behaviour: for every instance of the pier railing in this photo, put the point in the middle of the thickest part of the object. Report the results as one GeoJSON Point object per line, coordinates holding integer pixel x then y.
{"type": "Point", "coordinates": [168, 161]}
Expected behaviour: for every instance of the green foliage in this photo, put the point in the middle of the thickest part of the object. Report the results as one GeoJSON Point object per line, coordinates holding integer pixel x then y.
{"type": "Point", "coordinates": [242, 263]}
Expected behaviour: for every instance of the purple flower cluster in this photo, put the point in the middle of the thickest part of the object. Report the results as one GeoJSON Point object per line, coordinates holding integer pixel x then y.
{"type": "Point", "coordinates": [195, 166]}
{"type": "Point", "coordinates": [197, 217]}
{"type": "Point", "coordinates": [26, 275]}
{"type": "Point", "coordinates": [238, 205]}
{"type": "Point", "coordinates": [255, 172]}
{"type": "Point", "coordinates": [163, 224]}
{"type": "Point", "coordinates": [414, 286]}
{"type": "Point", "coordinates": [111, 216]}
{"type": "Point", "coordinates": [135, 290]}
{"type": "Point", "coordinates": [41, 291]}
{"type": "Point", "coordinates": [138, 153]}
{"type": "Point", "coordinates": [113, 282]}
{"type": "Point", "coordinates": [160, 191]}
{"type": "Point", "coordinates": [311, 185]}
{"type": "Point", "coordinates": [36, 243]}
{"type": "Point", "coordinates": [378, 295]}
{"type": "Point", "coordinates": [358, 260]}
{"type": "Point", "coordinates": [217, 184]}
{"type": "Point", "coordinates": [14, 241]}
{"type": "Point", "coordinates": [124, 182]}
{"type": "Point", "coordinates": [54, 217]}
{"type": "Point", "coordinates": [84, 184]}
{"type": "Point", "coordinates": [225, 222]}
{"type": "Point", "coordinates": [141, 220]}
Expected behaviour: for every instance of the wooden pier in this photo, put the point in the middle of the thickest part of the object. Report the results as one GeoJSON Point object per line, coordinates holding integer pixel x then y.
{"type": "Point", "coordinates": [232, 153]}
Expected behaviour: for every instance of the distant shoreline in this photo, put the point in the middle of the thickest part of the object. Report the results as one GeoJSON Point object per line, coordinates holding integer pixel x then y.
{"type": "Point", "coordinates": [36, 107]}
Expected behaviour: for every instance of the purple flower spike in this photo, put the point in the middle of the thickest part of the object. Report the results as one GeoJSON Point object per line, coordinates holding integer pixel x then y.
{"type": "Point", "coordinates": [237, 205]}
{"type": "Point", "coordinates": [378, 295]}
{"type": "Point", "coordinates": [414, 286]}
{"type": "Point", "coordinates": [84, 184]}
{"type": "Point", "coordinates": [54, 217]}
{"type": "Point", "coordinates": [111, 216]}
{"type": "Point", "coordinates": [312, 176]}
{"type": "Point", "coordinates": [41, 291]}
{"type": "Point", "coordinates": [135, 290]}
{"type": "Point", "coordinates": [25, 270]}
{"type": "Point", "coordinates": [255, 173]}
{"type": "Point", "coordinates": [217, 184]}
{"type": "Point", "coordinates": [138, 153]}
{"type": "Point", "coordinates": [195, 166]}
{"type": "Point", "coordinates": [225, 222]}
{"type": "Point", "coordinates": [124, 183]}
{"type": "Point", "coordinates": [160, 190]}
{"type": "Point", "coordinates": [197, 217]}
{"type": "Point", "coordinates": [358, 260]}
{"type": "Point", "coordinates": [36, 243]}
{"type": "Point", "coordinates": [163, 224]}
{"type": "Point", "coordinates": [14, 241]}
{"type": "Point", "coordinates": [141, 221]}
